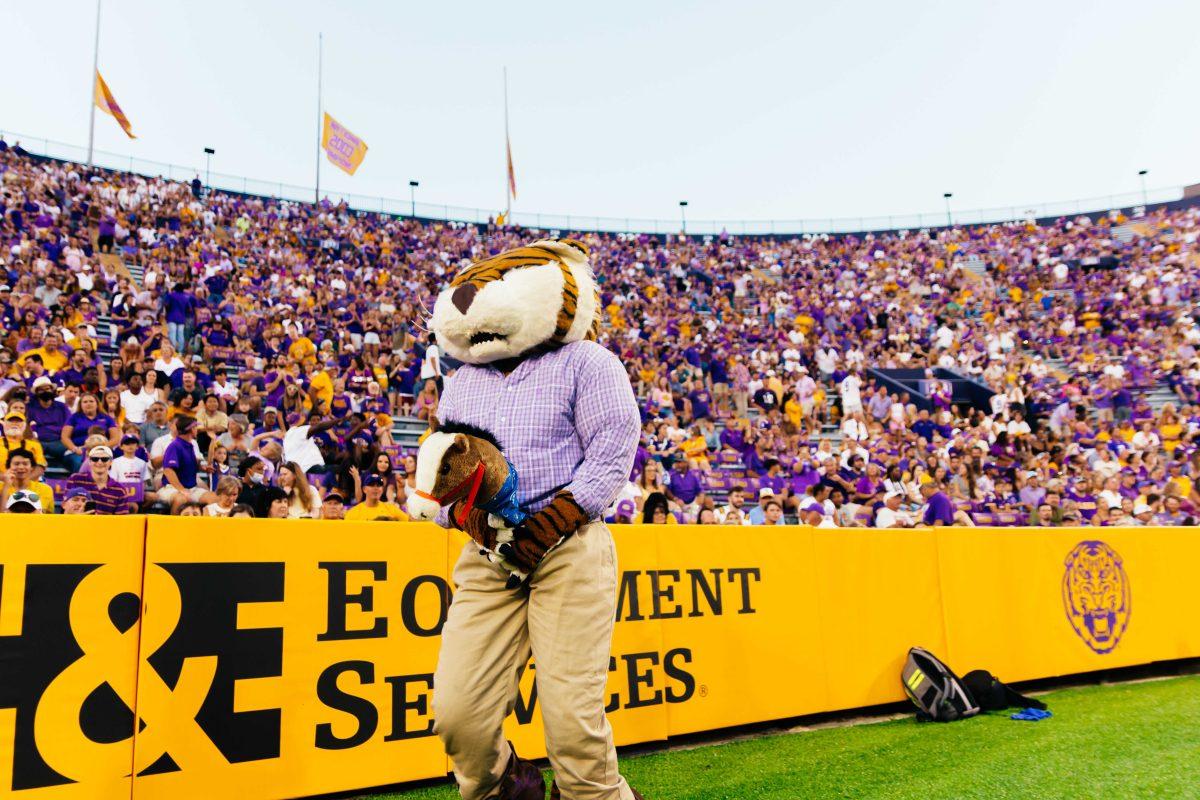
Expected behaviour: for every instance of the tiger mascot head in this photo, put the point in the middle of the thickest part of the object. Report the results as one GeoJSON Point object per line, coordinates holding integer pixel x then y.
{"type": "Point", "coordinates": [510, 305]}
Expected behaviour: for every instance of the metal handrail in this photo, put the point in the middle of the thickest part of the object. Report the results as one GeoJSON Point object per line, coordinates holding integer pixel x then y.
{"type": "Point", "coordinates": [573, 222]}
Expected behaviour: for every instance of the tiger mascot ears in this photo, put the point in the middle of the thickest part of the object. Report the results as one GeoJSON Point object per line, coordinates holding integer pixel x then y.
{"type": "Point", "coordinates": [506, 306]}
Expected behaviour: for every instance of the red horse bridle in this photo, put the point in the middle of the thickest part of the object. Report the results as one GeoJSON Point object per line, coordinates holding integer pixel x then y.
{"type": "Point", "coordinates": [469, 485]}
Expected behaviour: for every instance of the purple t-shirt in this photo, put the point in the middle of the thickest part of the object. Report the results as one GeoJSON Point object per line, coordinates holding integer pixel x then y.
{"type": "Point", "coordinates": [48, 422]}
{"type": "Point", "coordinates": [178, 306]}
{"type": "Point", "coordinates": [685, 486]}
{"type": "Point", "coordinates": [180, 456]}
{"type": "Point", "coordinates": [80, 424]}
{"type": "Point", "coordinates": [939, 507]}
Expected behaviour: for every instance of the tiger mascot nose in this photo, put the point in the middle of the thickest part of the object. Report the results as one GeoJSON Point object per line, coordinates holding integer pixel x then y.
{"type": "Point", "coordinates": [463, 296]}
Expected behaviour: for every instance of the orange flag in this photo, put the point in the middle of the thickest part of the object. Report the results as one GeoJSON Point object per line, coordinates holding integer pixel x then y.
{"type": "Point", "coordinates": [512, 177]}
{"type": "Point", "coordinates": [106, 103]}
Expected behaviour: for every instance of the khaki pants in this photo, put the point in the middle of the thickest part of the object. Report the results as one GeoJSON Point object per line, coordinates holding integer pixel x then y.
{"type": "Point", "coordinates": [566, 621]}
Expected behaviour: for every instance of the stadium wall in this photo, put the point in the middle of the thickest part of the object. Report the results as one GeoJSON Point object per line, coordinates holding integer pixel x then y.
{"type": "Point", "coordinates": [274, 659]}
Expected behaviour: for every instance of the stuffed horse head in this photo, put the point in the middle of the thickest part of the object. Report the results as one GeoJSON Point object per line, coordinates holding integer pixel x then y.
{"type": "Point", "coordinates": [456, 462]}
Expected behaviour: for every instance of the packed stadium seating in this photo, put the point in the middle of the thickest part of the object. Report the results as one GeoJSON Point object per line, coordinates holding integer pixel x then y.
{"type": "Point", "coordinates": [1018, 373]}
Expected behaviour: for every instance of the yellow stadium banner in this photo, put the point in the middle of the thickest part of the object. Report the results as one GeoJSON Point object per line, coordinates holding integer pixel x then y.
{"type": "Point", "coordinates": [1033, 604]}
{"type": "Point", "coordinates": [324, 637]}
{"type": "Point", "coordinates": [69, 630]}
{"type": "Point", "coordinates": [740, 624]}
{"type": "Point", "coordinates": [878, 594]}
{"type": "Point", "coordinates": [343, 149]}
{"type": "Point", "coordinates": [273, 659]}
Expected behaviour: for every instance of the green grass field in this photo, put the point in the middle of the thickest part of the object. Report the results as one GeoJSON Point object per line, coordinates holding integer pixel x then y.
{"type": "Point", "coordinates": [1139, 740]}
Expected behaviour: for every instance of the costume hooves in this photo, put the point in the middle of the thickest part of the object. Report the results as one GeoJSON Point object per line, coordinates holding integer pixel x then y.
{"type": "Point", "coordinates": [554, 794]}
{"type": "Point", "coordinates": [521, 780]}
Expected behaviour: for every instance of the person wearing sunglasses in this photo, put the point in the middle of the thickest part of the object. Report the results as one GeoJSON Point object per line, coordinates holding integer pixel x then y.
{"type": "Point", "coordinates": [24, 502]}
{"type": "Point", "coordinates": [108, 495]}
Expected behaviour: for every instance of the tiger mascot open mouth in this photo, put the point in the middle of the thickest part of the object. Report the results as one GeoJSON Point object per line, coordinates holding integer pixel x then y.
{"type": "Point", "coordinates": [505, 306]}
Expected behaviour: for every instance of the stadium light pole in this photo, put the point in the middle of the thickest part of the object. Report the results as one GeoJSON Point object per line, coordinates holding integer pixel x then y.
{"type": "Point", "coordinates": [320, 121]}
{"type": "Point", "coordinates": [946, 196]}
{"type": "Point", "coordinates": [683, 214]}
{"type": "Point", "coordinates": [208, 154]}
{"type": "Point", "coordinates": [412, 195]}
{"type": "Point", "coordinates": [1142, 175]}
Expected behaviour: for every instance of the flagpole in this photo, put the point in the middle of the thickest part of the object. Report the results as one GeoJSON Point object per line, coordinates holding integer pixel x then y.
{"type": "Point", "coordinates": [320, 121]}
{"type": "Point", "coordinates": [507, 155]}
{"type": "Point", "coordinates": [92, 87]}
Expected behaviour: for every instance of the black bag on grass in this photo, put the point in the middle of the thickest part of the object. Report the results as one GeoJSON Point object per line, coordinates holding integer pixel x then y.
{"type": "Point", "coordinates": [934, 689]}
{"type": "Point", "coordinates": [992, 695]}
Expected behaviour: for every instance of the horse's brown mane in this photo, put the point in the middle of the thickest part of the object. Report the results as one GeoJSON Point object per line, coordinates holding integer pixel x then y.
{"type": "Point", "coordinates": [470, 430]}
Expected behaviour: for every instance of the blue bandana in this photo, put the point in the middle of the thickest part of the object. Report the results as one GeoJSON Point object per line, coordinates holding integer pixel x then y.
{"type": "Point", "coordinates": [504, 504]}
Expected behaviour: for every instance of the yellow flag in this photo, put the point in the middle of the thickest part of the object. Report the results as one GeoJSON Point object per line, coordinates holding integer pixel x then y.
{"type": "Point", "coordinates": [106, 103]}
{"type": "Point", "coordinates": [343, 149]}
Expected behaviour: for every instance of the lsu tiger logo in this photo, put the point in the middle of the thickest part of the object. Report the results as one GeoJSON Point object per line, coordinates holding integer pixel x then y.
{"type": "Point", "coordinates": [1096, 595]}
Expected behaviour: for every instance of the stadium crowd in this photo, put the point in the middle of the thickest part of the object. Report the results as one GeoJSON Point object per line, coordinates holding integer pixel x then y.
{"type": "Point", "coordinates": [166, 348]}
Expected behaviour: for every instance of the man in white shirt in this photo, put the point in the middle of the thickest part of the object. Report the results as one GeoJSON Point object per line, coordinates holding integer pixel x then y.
{"type": "Point", "coordinates": [1017, 426]}
{"type": "Point", "coordinates": [1146, 439]}
{"type": "Point", "coordinates": [851, 389]}
{"type": "Point", "coordinates": [826, 360]}
{"type": "Point", "coordinates": [1110, 495]}
{"type": "Point", "coordinates": [1106, 464]}
{"type": "Point", "coordinates": [998, 401]}
{"type": "Point", "coordinates": [298, 444]}
{"type": "Point", "coordinates": [890, 515]}
{"type": "Point", "coordinates": [854, 429]}
{"type": "Point", "coordinates": [136, 400]}
{"type": "Point", "coordinates": [223, 389]}
{"type": "Point", "coordinates": [735, 511]}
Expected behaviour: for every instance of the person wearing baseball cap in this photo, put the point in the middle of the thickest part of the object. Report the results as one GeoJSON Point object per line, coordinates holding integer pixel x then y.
{"type": "Point", "coordinates": [758, 514]}
{"type": "Point", "coordinates": [109, 496]}
{"type": "Point", "coordinates": [181, 468]}
{"type": "Point", "coordinates": [333, 506]}
{"type": "Point", "coordinates": [1143, 513]}
{"type": "Point", "coordinates": [890, 515]}
{"type": "Point", "coordinates": [78, 501]}
{"type": "Point", "coordinates": [373, 506]}
{"type": "Point", "coordinates": [47, 416]}
{"type": "Point", "coordinates": [17, 436]}
{"type": "Point", "coordinates": [23, 501]}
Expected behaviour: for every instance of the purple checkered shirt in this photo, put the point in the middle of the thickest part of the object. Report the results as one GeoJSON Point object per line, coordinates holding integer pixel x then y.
{"type": "Point", "coordinates": [567, 419]}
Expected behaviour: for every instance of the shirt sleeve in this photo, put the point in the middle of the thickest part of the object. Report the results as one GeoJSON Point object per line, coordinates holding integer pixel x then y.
{"type": "Point", "coordinates": [445, 411]}
{"type": "Point", "coordinates": [171, 458]}
{"type": "Point", "coordinates": [608, 424]}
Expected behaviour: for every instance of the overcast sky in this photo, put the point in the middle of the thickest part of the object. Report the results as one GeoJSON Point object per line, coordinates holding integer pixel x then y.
{"type": "Point", "coordinates": [781, 110]}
